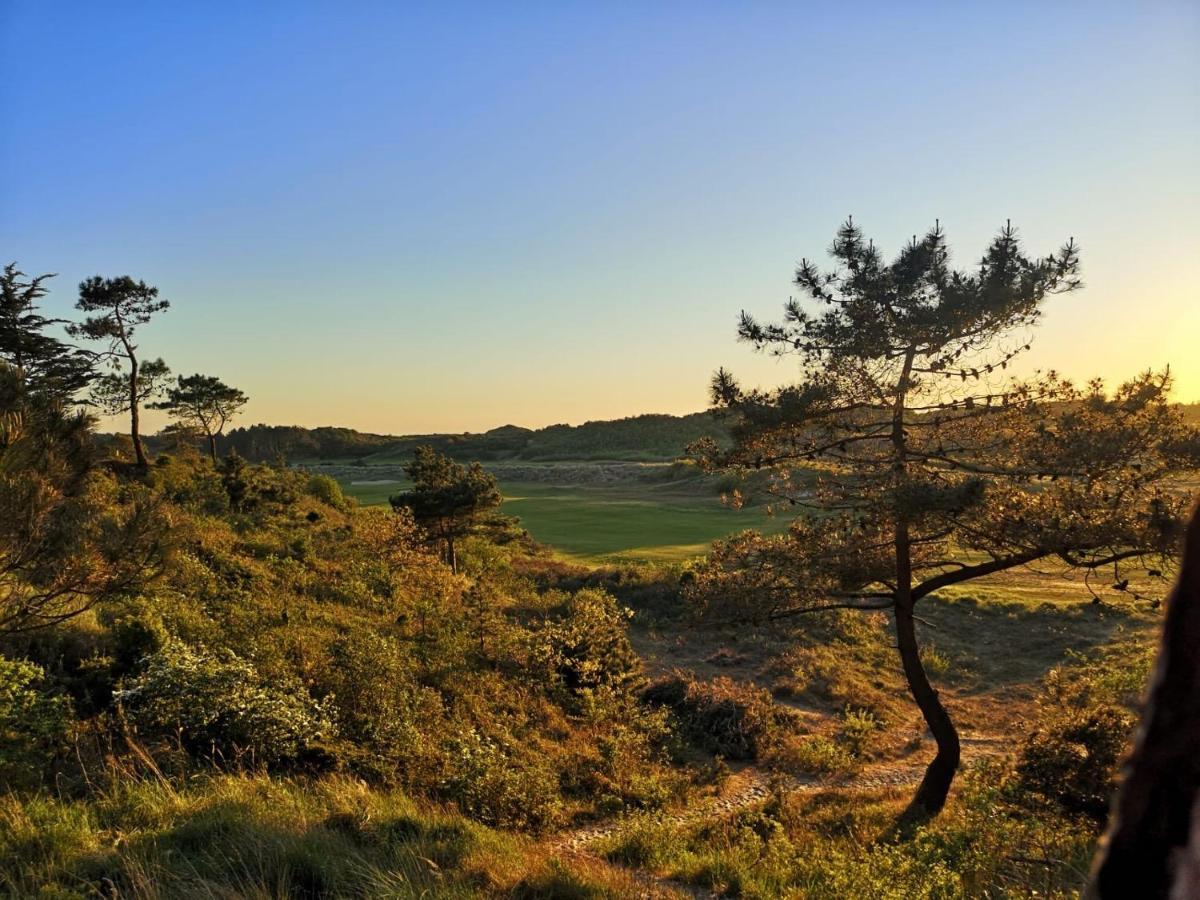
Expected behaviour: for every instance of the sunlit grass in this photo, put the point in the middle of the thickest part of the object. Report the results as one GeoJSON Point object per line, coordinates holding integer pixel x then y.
{"type": "Point", "coordinates": [608, 523]}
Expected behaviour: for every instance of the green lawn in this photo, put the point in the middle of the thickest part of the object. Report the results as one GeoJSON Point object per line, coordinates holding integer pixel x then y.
{"type": "Point", "coordinates": [597, 523]}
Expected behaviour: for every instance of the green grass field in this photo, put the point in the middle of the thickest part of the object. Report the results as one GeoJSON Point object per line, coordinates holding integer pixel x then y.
{"type": "Point", "coordinates": [596, 523]}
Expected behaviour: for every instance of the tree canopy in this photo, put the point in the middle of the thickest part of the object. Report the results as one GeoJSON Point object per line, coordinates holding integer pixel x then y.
{"type": "Point", "coordinates": [121, 306]}
{"type": "Point", "coordinates": [42, 362]}
{"type": "Point", "coordinates": [921, 464]}
{"type": "Point", "coordinates": [446, 497]}
{"type": "Point", "coordinates": [203, 403]}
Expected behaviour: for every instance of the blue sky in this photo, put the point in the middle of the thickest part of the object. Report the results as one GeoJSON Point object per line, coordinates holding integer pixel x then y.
{"type": "Point", "coordinates": [452, 216]}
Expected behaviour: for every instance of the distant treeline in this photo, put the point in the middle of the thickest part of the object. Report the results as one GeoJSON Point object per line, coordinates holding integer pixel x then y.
{"type": "Point", "coordinates": [647, 437]}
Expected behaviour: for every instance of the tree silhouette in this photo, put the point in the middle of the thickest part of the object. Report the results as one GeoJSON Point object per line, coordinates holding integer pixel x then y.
{"type": "Point", "coordinates": [203, 403]}
{"type": "Point", "coordinates": [122, 305]}
{"type": "Point", "coordinates": [446, 497]}
{"type": "Point", "coordinates": [43, 363]}
{"type": "Point", "coordinates": [932, 467]}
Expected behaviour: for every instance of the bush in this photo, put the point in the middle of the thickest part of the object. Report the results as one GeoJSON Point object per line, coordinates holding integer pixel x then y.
{"type": "Point", "coordinates": [33, 723]}
{"type": "Point", "coordinates": [587, 650]}
{"type": "Point", "coordinates": [816, 755]}
{"type": "Point", "coordinates": [327, 490]}
{"type": "Point", "coordinates": [217, 703]}
{"type": "Point", "coordinates": [858, 726]}
{"type": "Point", "coordinates": [382, 710]}
{"type": "Point", "coordinates": [493, 787]}
{"type": "Point", "coordinates": [736, 721]}
{"type": "Point", "coordinates": [1072, 760]}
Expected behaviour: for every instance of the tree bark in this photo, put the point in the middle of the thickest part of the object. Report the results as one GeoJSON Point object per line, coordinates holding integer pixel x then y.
{"type": "Point", "coordinates": [139, 451]}
{"type": "Point", "coordinates": [212, 447]}
{"type": "Point", "coordinates": [935, 786]}
{"type": "Point", "coordinates": [1152, 848]}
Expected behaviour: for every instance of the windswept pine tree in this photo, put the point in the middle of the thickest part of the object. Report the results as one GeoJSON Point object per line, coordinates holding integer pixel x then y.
{"type": "Point", "coordinates": [120, 307]}
{"type": "Point", "coordinates": [932, 466]}
{"type": "Point", "coordinates": [202, 403]}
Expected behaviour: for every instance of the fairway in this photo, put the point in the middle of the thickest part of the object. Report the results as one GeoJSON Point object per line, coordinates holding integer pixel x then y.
{"type": "Point", "coordinates": [596, 523]}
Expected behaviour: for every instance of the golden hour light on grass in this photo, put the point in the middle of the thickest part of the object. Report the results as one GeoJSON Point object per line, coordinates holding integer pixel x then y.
{"type": "Point", "coordinates": [525, 451]}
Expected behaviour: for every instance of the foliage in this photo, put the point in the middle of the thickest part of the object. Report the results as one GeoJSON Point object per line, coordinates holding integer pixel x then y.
{"type": "Point", "coordinates": [933, 467]}
{"type": "Point", "coordinates": [33, 724]}
{"type": "Point", "coordinates": [204, 403]}
{"type": "Point", "coordinates": [327, 490]}
{"type": "Point", "coordinates": [217, 703]}
{"type": "Point", "coordinates": [1072, 760]}
{"type": "Point", "coordinates": [726, 718]}
{"type": "Point", "coordinates": [498, 788]}
{"type": "Point", "coordinates": [446, 497]}
{"type": "Point", "coordinates": [71, 536]}
{"type": "Point", "coordinates": [585, 651]}
{"type": "Point", "coordinates": [43, 363]}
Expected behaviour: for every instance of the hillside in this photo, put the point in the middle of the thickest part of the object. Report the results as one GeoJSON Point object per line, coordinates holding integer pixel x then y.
{"type": "Point", "coordinates": [643, 438]}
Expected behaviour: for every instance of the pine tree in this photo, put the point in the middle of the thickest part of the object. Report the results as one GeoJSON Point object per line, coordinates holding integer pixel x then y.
{"type": "Point", "coordinates": [203, 403]}
{"type": "Point", "coordinates": [44, 364]}
{"type": "Point", "coordinates": [446, 497]}
{"type": "Point", "coordinates": [122, 305]}
{"type": "Point", "coordinates": [931, 466]}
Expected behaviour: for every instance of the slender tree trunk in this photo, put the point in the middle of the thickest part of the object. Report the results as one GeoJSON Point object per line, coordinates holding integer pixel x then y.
{"type": "Point", "coordinates": [935, 786]}
{"type": "Point", "coordinates": [139, 451]}
{"type": "Point", "coordinates": [451, 554]}
{"type": "Point", "coordinates": [212, 447]}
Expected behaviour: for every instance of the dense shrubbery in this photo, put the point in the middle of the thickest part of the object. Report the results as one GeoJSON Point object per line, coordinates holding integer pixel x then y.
{"type": "Point", "coordinates": [735, 721]}
{"type": "Point", "coordinates": [1072, 757]}
{"type": "Point", "coordinates": [289, 631]}
{"type": "Point", "coordinates": [33, 723]}
{"type": "Point", "coordinates": [220, 705]}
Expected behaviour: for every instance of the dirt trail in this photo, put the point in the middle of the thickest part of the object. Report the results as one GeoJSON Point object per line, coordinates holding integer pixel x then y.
{"type": "Point", "coordinates": [745, 789]}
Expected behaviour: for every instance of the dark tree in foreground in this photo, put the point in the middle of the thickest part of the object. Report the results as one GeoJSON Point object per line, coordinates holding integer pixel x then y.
{"type": "Point", "coordinates": [121, 306]}
{"type": "Point", "coordinates": [1152, 848]}
{"type": "Point", "coordinates": [42, 362]}
{"type": "Point", "coordinates": [923, 465]}
{"type": "Point", "coordinates": [70, 537]}
{"type": "Point", "coordinates": [446, 497]}
{"type": "Point", "coordinates": [202, 403]}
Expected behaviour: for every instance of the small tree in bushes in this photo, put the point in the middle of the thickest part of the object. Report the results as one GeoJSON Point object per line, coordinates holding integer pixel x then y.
{"type": "Point", "coordinates": [446, 497]}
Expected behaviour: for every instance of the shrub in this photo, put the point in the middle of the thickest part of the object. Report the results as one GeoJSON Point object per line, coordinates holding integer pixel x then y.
{"type": "Point", "coordinates": [736, 721]}
{"type": "Point", "coordinates": [33, 723]}
{"type": "Point", "coordinates": [858, 725]}
{"type": "Point", "coordinates": [587, 650]}
{"type": "Point", "coordinates": [1072, 760]}
{"type": "Point", "coordinates": [492, 786]}
{"type": "Point", "coordinates": [216, 702]}
{"type": "Point", "coordinates": [327, 490]}
{"type": "Point", "coordinates": [816, 755]}
{"type": "Point", "coordinates": [382, 710]}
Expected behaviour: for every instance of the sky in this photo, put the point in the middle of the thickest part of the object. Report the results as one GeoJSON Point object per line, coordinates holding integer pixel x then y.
{"type": "Point", "coordinates": [410, 218]}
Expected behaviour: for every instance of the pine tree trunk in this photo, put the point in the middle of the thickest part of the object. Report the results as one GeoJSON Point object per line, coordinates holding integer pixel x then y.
{"type": "Point", "coordinates": [451, 555]}
{"type": "Point", "coordinates": [212, 447]}
{"type": "Point", "coordinates": [139, 452]}
{"type": "Point", "coordinates": [935, 786]}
